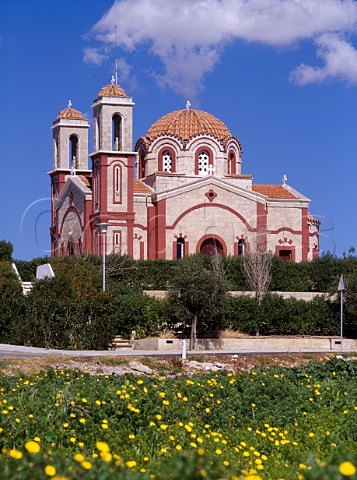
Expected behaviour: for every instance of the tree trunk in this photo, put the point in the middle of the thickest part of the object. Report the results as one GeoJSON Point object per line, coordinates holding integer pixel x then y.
{"type": "Point", "coordinates": [193, 332]}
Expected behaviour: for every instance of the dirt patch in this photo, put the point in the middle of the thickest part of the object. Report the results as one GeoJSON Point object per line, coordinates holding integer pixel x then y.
{"type": "Point", "coordinates": [170, 366]}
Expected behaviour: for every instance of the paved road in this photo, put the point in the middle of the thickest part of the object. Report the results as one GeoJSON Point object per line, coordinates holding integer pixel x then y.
{"type": "Point", "coordinates": [32, 352]}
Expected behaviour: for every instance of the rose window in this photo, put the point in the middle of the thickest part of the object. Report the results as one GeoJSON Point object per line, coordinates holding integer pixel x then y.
{"type": "Point", "coordinates": [203, 163]}
{"type": "Point", "coordinates": [167, 162]}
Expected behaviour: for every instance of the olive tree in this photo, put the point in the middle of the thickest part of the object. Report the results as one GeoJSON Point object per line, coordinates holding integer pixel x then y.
{"type": "Point", "coordinates": [199, 291]}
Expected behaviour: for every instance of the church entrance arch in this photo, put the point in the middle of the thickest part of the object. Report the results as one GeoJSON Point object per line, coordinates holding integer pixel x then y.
{"type": "Point", "coordinates": [211, 245]}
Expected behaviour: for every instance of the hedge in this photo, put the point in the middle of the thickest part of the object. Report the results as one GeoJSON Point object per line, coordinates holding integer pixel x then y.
{"type": "Point", "coordinates": [319, 275]}
{"type": "Point", "coordinates": [279, 316]}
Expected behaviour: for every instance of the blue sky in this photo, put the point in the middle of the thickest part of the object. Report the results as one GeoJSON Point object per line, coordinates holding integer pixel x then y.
{"type": "Point", "coordinates": [282, 74]}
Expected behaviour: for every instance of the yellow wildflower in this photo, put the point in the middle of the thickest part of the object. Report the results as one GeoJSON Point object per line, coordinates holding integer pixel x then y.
{"type": "Point", "coordinates": [50, 470]}
{"type": "Point", "coordinates": [15, 454]}
{"type": "Point", "coordinates": [86, 465]}
{"type": "Point", "coordinates": [102, 447]}
{"type": "Point", "coordinates": [347, 469]}
{"type": "Point", "coordinates": [32, 447]}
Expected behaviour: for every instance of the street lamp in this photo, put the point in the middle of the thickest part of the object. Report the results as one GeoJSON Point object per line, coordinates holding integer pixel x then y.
{"type": "Point", "coordinates": [341, 289]}
{"type": "Point", "coordinates": [104, 228]}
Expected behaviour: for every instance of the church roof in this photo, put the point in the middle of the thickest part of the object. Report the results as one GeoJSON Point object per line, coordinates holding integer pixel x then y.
{"type": "Point", "coordinates": [273, 191]}
{"type": "Point", "coordinates": [85, 180]}
{"type": "Point", "coordinates": [312, 219]}
{"type": "Point", "coordinates": [140, 187]}
{"type": "Point", "coordinates": [186, 124]}
{"type": "Point", "coordinates": [112, 91]}
{"type": "Point", "coordinates": [70, 113]}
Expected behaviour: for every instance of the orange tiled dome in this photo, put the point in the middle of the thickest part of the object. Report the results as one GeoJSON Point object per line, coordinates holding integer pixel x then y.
{"type": "Point", "coordinates": [185, 124]}
{"type": "Point", "coordinates": [112, 91]}
{"type": "Point", "coordinates": [70, 113]}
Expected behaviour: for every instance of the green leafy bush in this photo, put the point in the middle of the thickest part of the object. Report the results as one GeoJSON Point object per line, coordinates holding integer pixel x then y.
{"type": "Point", "coordinates": [6, 249]}
{"type": "Point", "coordinates": [140, 313]}
{"type": "Point", "coordinates": [59, 318]}
{"type": "Point", "coordinates": [319, 275]}
{"type": "Point", "coordinates": [278, 316]}
{"type": "Point", "coordinates": [12, 304]}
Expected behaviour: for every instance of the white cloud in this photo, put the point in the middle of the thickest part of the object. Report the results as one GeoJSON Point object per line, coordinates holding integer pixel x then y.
{"type": "Point", "coordinates": [340, 60]}
{"type": "Point", "coordinates": [189, 35]}
{"type": "Point", "coordinates": [124, 69]}
{"type": "Point", "coordinates": [94, 55]}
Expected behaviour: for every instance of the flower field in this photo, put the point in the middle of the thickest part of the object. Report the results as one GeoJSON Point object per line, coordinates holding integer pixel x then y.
{"type": "Point", "coordinates": [270, 423]}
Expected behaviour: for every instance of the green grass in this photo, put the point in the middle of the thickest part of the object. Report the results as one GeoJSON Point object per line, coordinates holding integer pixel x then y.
{"type": "Point", "coordinates": [270, 423]}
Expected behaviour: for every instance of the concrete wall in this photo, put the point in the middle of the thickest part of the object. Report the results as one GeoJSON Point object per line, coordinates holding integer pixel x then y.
{"type": "Point", "coordinates": [255, 344]}
{"type": "Point", "coordinates": [307, 296]}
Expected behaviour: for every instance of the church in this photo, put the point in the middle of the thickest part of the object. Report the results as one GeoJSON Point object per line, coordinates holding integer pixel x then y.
{"type": "Point", "coordinates": [180, 191]}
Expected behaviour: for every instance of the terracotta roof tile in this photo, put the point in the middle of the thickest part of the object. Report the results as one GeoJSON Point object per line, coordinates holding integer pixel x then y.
{"type": "Point", "coordinates": [273, 191]}
{"type": "Point", "coordinates": [140, 187]}
{"type": "Point", "coordinates": [186, 124]}
{"type": "Point", "coordinates": [112, 91]}
{"type": "Point", "coordinates": [310, 218]}
{"type": "Point", "coordinates": [85, 180]}
{"type": "Point", "coordinates": [70, 113]}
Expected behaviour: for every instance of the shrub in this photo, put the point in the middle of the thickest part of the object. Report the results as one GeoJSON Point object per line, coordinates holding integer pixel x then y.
{"type": "Point", "coordinates": [319, 275]}
{"type": "Point", "coordinates": [59, 317]}
{"type": "Point", "coordinates": [278, 316]}
{"type": "Point", "coordinates": [140, 313]}
{"type": "Point", "coordinates": [12, 304]}
{"type": "Point", "coordinates": [6, 250]}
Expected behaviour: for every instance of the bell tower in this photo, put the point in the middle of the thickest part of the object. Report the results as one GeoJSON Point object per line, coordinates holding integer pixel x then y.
{"type": "Point", "coordinates": [69, 147]}
{"type": "Point", "coordinates": [70, 156]}
{"type": "Point", "coordinates": [70, 140]}
{"type": "Point", "coordinates": [113, 170]}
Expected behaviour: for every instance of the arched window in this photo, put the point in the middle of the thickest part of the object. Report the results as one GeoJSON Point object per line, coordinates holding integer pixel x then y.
{"type": "Point", "coordinates": [97, 133]}
{"type": "Point", "coordinates": [70, 247]}
{"type": "Point", "coordinates": [180, 248]}
{"type": "Point", "coordinates": [211, 246]}
{"type": "Point", "coordinates": [142, 165]}
{"type": "Point", "coordinates": [116, 133]}
{"type": "Point", "coordinates": [55, 190]}
{"type": "Point", "coordinates": [232, 170]}
{"type": "Point", "coordinates": [73, 151]}
{"type": "Point", "coordinates": [167, 160]}
{"type": "Point", "coordinates": [117, 184]}
{"type": "Point", "coordinates": [204, 162]}
{"type": "Point", "coordinates": [117, 242]}
{"type": "Point", "coordinates": [55, 153]}
{"type": "Point", "coordinates": [241, 247]}
{"type": "Point", "coordinates": [96, 186]}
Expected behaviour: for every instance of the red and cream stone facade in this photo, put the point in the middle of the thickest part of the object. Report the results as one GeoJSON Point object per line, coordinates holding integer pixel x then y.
{"type": "Point", "coordinates": [180, 191]}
